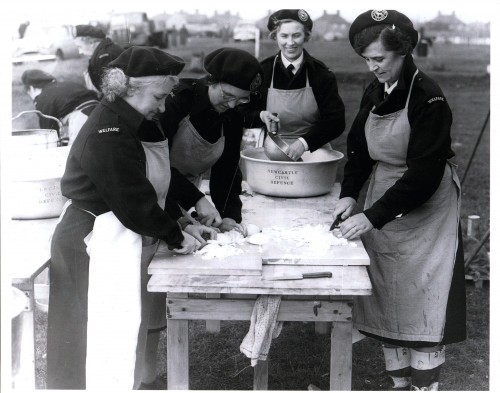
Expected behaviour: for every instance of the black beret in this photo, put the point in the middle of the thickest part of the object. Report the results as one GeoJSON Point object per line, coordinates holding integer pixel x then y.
{"type": "Point", "coordinates": [88, 31]}
{"type": "Point", "coordinates": [36, 78]}
{"type": "Point", "coordinates": [386, 17]}
{"type": "Point", "coordinates": [236, 67]}
{"type": "Point", "coordinates": [298, 15]}
{"type": "Point", "coordinates": [138, 61]}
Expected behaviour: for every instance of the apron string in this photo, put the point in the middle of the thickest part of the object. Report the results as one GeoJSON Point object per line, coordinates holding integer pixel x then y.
{"type": "Point", "coordinates": [411, 88]}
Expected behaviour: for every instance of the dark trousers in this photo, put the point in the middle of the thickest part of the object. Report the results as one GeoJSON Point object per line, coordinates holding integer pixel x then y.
{"type": "Point", "coordinates": [67, 318]}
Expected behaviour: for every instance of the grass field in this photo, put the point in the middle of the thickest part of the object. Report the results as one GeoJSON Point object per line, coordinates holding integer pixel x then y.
{"type": "Point", "coordinates": [300, 357]}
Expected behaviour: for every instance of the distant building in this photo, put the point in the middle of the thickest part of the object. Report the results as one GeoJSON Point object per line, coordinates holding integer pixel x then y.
{"type": "Point", "coordinates": [331, 27]}
{"type": "Point", "coordinates": [446, 28]}
{"type": "Point", "coordinates": [225, 19]}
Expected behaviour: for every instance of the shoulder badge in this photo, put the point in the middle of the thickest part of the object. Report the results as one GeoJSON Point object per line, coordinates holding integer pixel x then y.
{"type": "Point", "coordinates": [433, 99]}
{"type": "Point", "coordinates": [103, 55]}
{"type": "Point", "coordinates": [379, 15]}
{"type": "Point", "coordinates": [303, 16]}
{"type": "Point", "coordinates": [108, 129]}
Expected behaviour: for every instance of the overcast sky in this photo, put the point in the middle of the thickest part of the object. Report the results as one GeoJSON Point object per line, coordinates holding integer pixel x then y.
{"type": "Point", "coordinates": [74, 12]}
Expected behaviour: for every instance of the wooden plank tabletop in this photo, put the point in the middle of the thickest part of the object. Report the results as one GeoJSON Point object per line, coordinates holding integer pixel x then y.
{"type": "Point", "coordinates": [345, 280]}
{"type": "Point", "coordinates": [247, 263]}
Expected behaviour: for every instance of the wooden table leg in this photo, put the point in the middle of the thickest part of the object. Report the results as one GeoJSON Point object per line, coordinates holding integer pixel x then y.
{"type": "Point", "coordinates": [260, 375]}
{"type": "Point", "coordinates": [24, 355]}
{"type": "Point", "coordinates": [341, 356]}
{"type": "Point", "coordinates": [177, 351]}
{"type": "Point", "coordinates": [212, 326]}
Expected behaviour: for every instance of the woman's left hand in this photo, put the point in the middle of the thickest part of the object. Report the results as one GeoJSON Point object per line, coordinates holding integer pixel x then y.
{"type": "Point", "coordinates": [354, 226]}
{"type": "Point", "coordinates": [228, 224]}
{"type": "Point", "coordinates": [295, 150]}
{"type": "Point", "coordinates": [201, 233]}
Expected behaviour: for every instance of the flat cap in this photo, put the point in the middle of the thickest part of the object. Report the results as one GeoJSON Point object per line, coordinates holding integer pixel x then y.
{"type": "Point", "coordinates": [298, 15]}
{"type": "Point", "coordinates": [383, 17]}
{"type": "Point", "coordinates": [88, 31]}
{"type": "Point", "coordinates": [36, 78]}
{"type": "Point", "coordinates": [236, 67]}
{"type": "Point", "coordinates": [139, 61]}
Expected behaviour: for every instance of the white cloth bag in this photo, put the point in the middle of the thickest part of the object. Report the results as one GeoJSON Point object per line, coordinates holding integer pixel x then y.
{"type": "Point", "coordinates": [114, 315]}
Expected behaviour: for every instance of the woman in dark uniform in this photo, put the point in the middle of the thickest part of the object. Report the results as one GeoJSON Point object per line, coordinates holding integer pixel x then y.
{"type": "Point", "coordinates": [117, 184]}
{"type": "Point", "coordinates": [205, 127]}
{"type": "Point", "coordinates": [410, 222]}
{"type": "Point", "coordinates": [299, 88]}
{"type": "Point", "coordinates": [91, 41]}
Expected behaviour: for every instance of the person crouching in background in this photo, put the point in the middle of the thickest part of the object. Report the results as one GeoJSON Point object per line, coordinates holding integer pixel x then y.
{"type": "Point", "coordinates": [69, 102]}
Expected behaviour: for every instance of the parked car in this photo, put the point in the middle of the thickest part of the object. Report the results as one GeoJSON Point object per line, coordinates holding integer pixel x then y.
{"type": "Point", "coordinates": [245, 30]}
{"type": "Point", "coordinates": [135, 28]}
{"type": "Point", "coordinates": [45, 42]}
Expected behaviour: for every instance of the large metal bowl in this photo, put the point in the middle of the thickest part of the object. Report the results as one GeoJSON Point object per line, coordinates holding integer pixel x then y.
{"type": "Point", "coordinates": [315, 175]}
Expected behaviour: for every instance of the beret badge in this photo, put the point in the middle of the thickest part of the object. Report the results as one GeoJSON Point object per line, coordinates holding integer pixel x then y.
{"type": "Point", "coordinates": [379, 15]}
{"type": "Point", "coordinates": [303, 16]}
{"type": "Point", "coordinates": [257, 81]}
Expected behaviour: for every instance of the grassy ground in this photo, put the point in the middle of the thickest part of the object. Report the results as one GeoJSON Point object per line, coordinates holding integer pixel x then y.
{"type": "Point", "coordinates": [299, 357]}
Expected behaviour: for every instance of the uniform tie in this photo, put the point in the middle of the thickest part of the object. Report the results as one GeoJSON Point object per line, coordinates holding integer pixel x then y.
{"type": "Point", "coordinates": [290, 69]}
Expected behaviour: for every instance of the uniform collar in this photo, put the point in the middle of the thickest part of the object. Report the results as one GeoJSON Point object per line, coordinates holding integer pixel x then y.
{"type": "Point", "coordinates": [296, 63]}
{"type": "Point", "coordinates": [129, 115]}
{"type": "Point", "coordinates": [376, 89]}
{"type": "Point", "coordinates": [388, 89]}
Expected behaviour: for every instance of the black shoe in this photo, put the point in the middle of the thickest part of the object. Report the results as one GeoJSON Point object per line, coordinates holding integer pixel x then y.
{"type": "Point", "coordinates": [157, 384]}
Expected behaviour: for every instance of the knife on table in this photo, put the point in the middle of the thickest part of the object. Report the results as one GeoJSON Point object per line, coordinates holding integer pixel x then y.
{"type": "Point", "coordinates": [299, 276]}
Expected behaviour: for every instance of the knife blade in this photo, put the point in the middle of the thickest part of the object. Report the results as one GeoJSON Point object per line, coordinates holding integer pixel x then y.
{"type": "Point", "coordinates": [336, 222]}
{"type": "Point", "coordinates": [299, 276]}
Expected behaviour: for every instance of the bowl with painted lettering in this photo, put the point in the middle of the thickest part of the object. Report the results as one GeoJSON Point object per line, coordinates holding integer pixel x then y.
{"type": "Point", "coordinates": [314, 175]}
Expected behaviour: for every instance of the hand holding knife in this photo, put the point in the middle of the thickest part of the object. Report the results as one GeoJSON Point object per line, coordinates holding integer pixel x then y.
{"type": "Point", "coordinates": [336, 222]}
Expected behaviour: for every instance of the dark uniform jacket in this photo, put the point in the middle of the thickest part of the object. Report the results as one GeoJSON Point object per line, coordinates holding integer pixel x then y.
{"type": "Point", "coordinates": [106, 171]}
{"type": "Point", "coordinates": [324, 86]}
{"type": "Point", "coordinates": [103, 54]}
{"type": "Point", "coordinates": [58, 99]}
{"type": "Point", "coordinates": [190, 97]}
{"type": "Point", "coordinates": [429, 146]}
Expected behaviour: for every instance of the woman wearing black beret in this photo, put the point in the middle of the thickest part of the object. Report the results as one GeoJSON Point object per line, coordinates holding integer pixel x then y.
{"type": "Point", "coordinates": [205, 126]}
{"type": "Point", "coordinates": [400, 139]}
{"type": "Point", "coordinates": [117, 178]}
{"type": "Point", "coordinates": [91, 41]}
{"type": "Point", "coordinates": [299, 88]}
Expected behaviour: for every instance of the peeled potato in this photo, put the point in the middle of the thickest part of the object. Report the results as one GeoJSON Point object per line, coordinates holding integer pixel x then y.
{"type": "Point", "coordinates": [252, 229]}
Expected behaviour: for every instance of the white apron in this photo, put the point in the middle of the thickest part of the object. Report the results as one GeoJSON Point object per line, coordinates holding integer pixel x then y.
{"type": "Point", "coordinates": [297, 109]}
{"type": "Point", "coordinates": [191, 154]}
{"type": "Point", "coordinates": [412, 257]}
{"type": "Point", "coordinates": [74, 121]}
{"type": "Point", "coordinates": [118, 301]}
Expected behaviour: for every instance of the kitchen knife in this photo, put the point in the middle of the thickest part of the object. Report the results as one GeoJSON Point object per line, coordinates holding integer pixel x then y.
{"type": "Point", "coordinates": [299, 276]}
{"type": "Point", "coordinates": [336, 222]}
